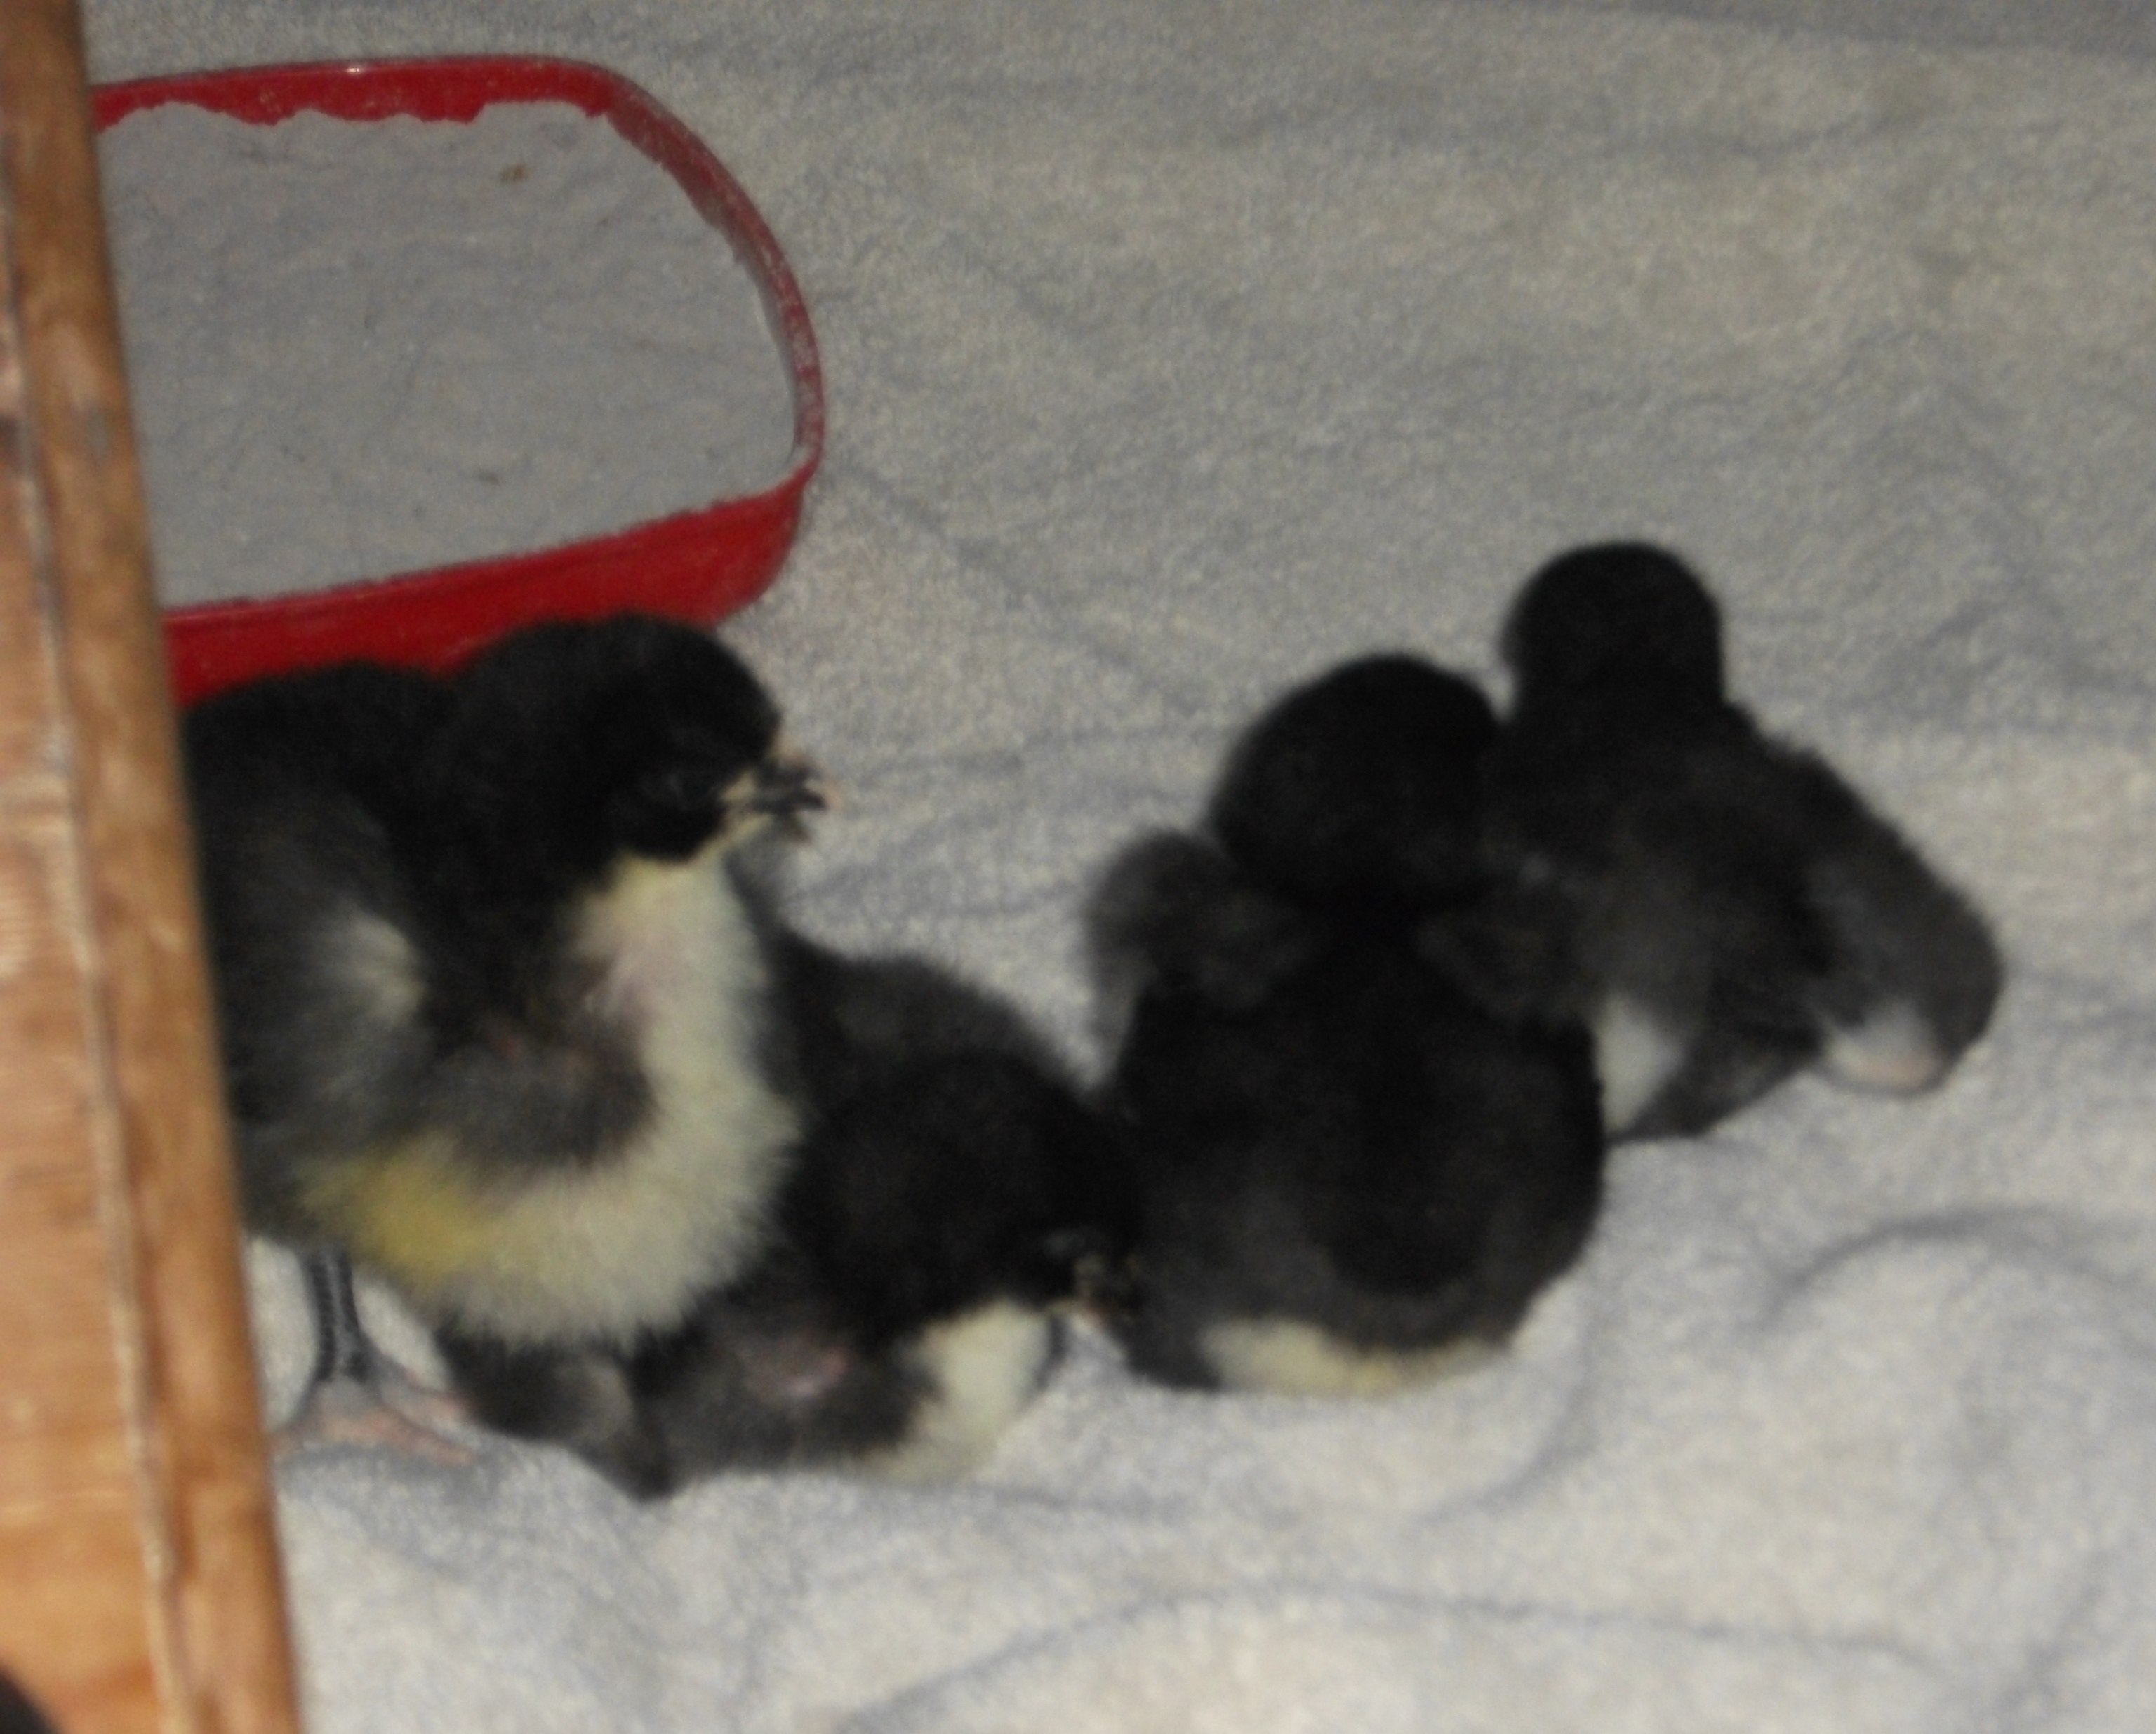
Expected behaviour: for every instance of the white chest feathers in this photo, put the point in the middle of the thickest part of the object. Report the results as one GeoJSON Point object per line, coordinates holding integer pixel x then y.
{"type": "Point", "coordinates": [1635, 1054]}
{"type": "Point", "coordinates": [626, 1244]}
{"type": "Point", "coordinates": [1291, 1357]}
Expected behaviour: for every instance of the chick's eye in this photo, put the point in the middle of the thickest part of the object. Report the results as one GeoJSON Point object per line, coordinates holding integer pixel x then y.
{"type": "Point", "coordinates": [686, 787]}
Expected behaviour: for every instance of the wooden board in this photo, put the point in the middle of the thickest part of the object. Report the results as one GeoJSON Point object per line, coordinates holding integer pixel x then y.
{"type": "Point", "coordinates": [139, 1581]}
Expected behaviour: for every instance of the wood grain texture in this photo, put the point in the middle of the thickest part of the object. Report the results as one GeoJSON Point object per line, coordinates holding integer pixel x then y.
{"type": "Point", "coordinates": [139, 1581]}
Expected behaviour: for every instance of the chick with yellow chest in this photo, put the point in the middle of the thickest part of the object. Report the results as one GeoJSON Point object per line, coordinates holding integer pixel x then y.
{"type": "Point", "coordinates": [492, 991]}
{"type": "Point", "coordinates": [617, 1243]}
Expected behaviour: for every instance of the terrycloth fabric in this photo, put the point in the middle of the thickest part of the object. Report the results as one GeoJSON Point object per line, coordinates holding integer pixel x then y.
{"type": "Point", "coordinates": [1174, 351]}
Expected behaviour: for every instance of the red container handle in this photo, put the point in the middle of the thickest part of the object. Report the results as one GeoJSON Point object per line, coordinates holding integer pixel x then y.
{"type": "Point", "coordinates": [697, 564]}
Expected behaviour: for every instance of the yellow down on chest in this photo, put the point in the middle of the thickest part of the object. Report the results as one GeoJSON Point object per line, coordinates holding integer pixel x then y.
{"type": "Point", "coordinates": [604, 1252]}
{"type": "Point", "coordinates": [413, 1216]}
{"type": "Point", "coordinates": [621, 1244]}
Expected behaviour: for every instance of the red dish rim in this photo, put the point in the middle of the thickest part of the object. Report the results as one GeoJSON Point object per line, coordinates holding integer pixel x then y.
{"type": "Point", "coordinates": [699, 564]}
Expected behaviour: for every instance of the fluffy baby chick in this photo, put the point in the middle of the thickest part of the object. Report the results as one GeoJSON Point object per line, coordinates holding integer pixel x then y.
{"type": "Point", "coordinates": [950, 1191]}
{"type": "Point", "coordinates": [1355, 793]}
{"type": "Point", "coordinates": [1719, 907]}
{"type": "Point", "coordinates": [493, 1009]}
{"type": "Point", "coordinates": [1352, 1174]}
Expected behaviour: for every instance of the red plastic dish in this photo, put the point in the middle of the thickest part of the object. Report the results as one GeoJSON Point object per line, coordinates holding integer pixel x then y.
{"type": "Point", "coordinates": [695, 565]}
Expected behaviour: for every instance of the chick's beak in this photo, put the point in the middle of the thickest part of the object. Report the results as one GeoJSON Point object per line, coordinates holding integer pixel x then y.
{"type": "Point", "coordinates": [786, 784]}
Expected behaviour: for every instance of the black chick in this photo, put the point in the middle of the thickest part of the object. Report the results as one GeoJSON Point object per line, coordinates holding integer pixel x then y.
{"type": "Point", "coordinates": [1719, 907]}
{"type": "Point", "coordinates": [1356, 792]}
{"type": "Point", "coordinates": [1352, 1173]}
{"type": "Point", "coordinates": [493, 1010]}
{"type": "Point", "coordinates": [951, 1190]}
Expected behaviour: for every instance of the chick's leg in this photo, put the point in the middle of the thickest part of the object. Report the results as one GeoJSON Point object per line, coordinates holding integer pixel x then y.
{"type": "Point", "coordinates": [356, 1395]}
